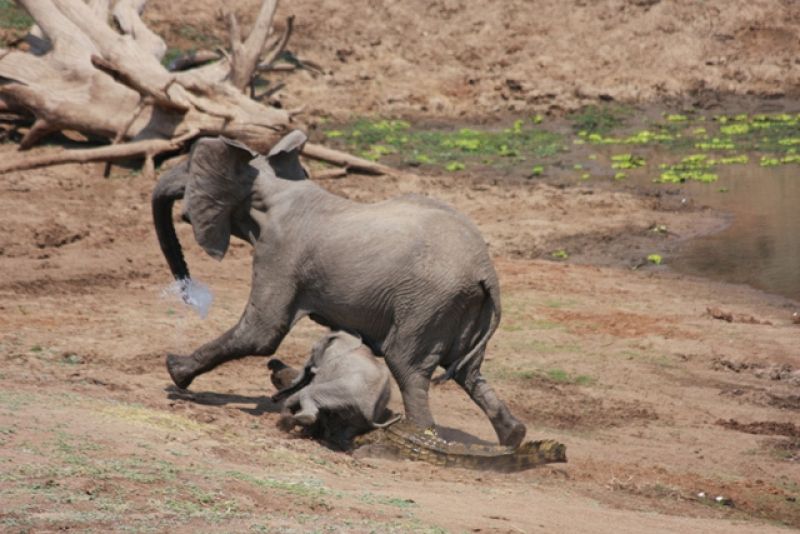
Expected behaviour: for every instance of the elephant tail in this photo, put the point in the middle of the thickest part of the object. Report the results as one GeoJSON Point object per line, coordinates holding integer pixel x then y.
{"type": "Point", "coordinates": [490, 316]}
{"type": "Point", "coordinates": [170, 187]}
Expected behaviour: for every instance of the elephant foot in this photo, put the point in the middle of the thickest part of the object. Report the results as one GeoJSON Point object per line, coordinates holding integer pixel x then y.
{"type": "Point", "coordinates": [181, 376]}
{"type": "Point", "coordinates": [513, 436]}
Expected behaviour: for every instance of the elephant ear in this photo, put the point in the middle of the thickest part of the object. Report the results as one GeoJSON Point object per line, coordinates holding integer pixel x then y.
{"type": "Point", "coordinates": [220, 177]}
{"type": "Point", "coordinates": [284, 158]}
{"type": "Point", "coordinates": [319, 349]}
{"type": "Point", "coordinates": [346, 342]}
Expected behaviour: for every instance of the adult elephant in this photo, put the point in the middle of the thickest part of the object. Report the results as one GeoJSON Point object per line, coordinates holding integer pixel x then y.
{"type": "Point", "coordinates": [410, 275]}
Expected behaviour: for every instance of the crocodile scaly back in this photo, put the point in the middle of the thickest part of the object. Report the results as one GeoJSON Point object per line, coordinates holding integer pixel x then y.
{"type": "Point", "coordinates": [405, 440]}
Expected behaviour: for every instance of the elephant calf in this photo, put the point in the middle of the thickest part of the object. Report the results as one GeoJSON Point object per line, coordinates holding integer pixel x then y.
{"type": "Point", "coordinates": [341, 392]}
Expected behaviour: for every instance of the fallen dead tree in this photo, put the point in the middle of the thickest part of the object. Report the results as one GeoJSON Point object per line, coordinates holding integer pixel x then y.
{"type": "Point", "coordinates": [95, 68]}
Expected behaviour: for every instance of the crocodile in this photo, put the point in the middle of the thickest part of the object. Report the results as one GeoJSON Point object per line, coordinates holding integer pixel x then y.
{"type": "Point", "coordinates": [405, 440]}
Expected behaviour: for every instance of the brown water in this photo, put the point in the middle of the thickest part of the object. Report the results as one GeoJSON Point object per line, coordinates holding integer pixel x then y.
{"type": "Point", "coordinates": [761, 245]}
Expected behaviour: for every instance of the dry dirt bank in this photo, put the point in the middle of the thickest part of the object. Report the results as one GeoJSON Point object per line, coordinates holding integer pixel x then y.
{"type": "Point", "coordinates": [452, 58]}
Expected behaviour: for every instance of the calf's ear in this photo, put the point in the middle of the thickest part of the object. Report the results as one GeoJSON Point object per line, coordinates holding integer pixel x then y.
{"type": "Point", "coordinates": [284, 158]}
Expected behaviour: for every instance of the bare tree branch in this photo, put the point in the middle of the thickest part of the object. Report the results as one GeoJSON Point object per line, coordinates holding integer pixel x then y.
{"type": "Point", "coordinates": [39, 130]}
{"type": "Point", "coordinates": [47, 156]}
{"type": "Point", "coordinates": [125, 77]}
{"type": "Point", "coordinates": [127, 13]}
{"type": "Point", "coordinates": [279, 46]}
{"type": "Point", "coordinates": [245, 56]}
{"type": "Point", "coordinates": [343, 159]}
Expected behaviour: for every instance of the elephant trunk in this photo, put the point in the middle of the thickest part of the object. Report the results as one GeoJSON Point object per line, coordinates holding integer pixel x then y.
{"type": "Point", "coordinates": [170, 187]}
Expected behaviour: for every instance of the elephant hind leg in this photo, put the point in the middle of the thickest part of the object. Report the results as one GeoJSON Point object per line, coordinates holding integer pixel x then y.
{"type": "Point", "coordinates": [510, 431]}
{"type": "Point", "coordinates": [414, 383]}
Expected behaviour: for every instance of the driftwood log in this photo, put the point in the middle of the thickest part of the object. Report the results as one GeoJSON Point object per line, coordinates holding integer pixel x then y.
{"type": "Point", "coordinates": [96, 68]}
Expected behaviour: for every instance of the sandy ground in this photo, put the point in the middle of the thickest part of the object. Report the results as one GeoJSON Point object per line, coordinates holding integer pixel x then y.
{"type": "Point", "coordinates": [662, 407]}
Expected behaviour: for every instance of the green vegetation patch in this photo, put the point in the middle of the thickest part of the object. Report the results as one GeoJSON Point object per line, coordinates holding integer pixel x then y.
{"type": "Point", "coordinates": [627, 161]}
{"type": "Point", "coordinates": [531, 145]}
{"type": "Point", "coordinates": [655, 259]}
{"type": "Point", "coordinates": [452, 150]}
{"type": "Point", "coordinates": [599, 119]}
{"type": "Point", "coordinates": [696, 167]}
{"type": "Point", "coordinates": [564, 377]}
{"type": "Point", "coordinates": [308, 488]}
{"type": "Point", "coordinates": [14, 17]}
{"type": "Point", "coordinates": [775, 136]}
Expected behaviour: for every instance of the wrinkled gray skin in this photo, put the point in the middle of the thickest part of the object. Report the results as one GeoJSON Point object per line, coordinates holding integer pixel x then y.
{"type": "Point", "coordinates": [342, 390]}
{"type": "Point", "coordinates": [410, 275]}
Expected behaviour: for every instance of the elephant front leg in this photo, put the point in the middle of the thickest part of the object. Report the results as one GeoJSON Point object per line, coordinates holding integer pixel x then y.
{"type": "Point", "coordinates": [298, 409]}
{"type": "Point", "coordinates": [258, 333]}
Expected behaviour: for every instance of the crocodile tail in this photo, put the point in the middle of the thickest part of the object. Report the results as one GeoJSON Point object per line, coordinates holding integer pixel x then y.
{"type": "Point", "coordinates": [491, 307]}
{"type": "Point", "coordinates": [498, 458]}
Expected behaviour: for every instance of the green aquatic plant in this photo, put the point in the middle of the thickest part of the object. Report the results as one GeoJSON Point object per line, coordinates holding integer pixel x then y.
{"type": "Point", "coordinates": [455, 166]}
{"type": "Point", "coordinates": [769, 161]}
{"type": "Point", "coordinates": [467, 145]}
{"type": "Point", "coordinates": [642, 137]}
{"type": "Point", "coordinates": [734, 129]}
{"type": "Point", "coordinates": [716, 144]}
{"type": "Point", "coordinates": [375, 139]}
{"type": "Point", "coordinates": [506, 152]}
{"type": "Point", "coordinates": [645, 137]}
{"type": "Point", "coordinates": [627, 161]}
{"type": "Point", "coordinates": [732, 160]}
{"type": "Point", "coordinates": [677, 118]}
{"type": "Point", "coordinates": [376, 152]}
{"type": "Point", "coordinates": [695, 167]}
{"type": "Point", "coordinates": [655, 259]}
